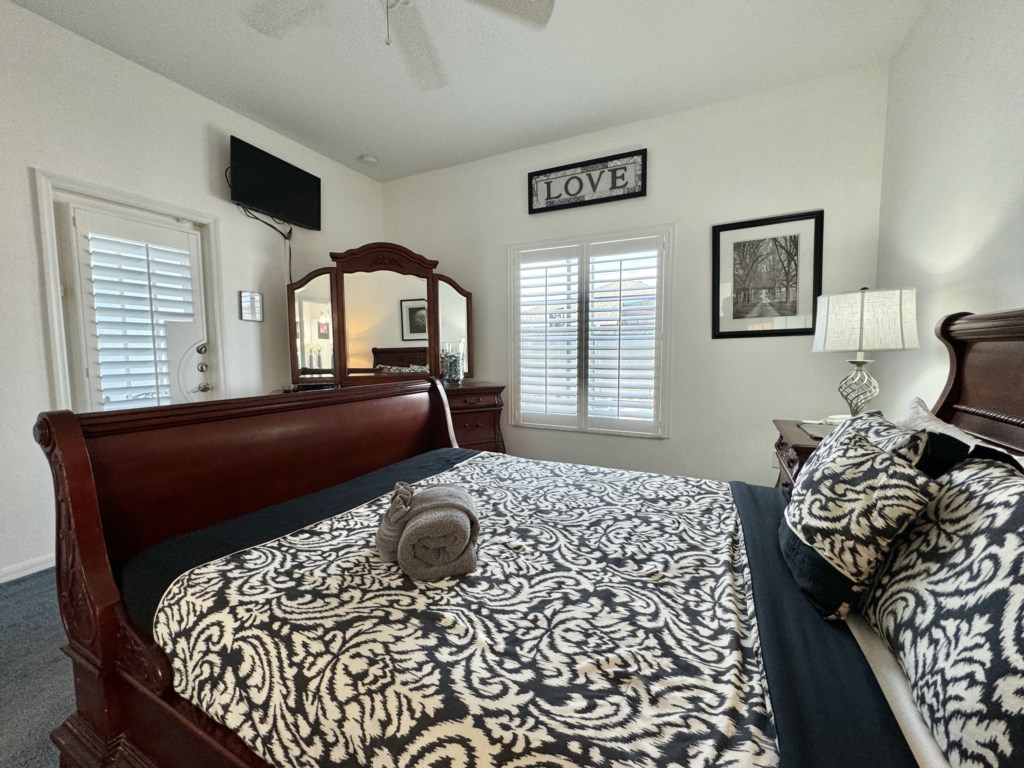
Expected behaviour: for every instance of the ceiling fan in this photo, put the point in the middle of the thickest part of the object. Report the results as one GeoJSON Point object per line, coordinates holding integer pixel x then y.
{"type": "Point", "coordinates": [402, 17]}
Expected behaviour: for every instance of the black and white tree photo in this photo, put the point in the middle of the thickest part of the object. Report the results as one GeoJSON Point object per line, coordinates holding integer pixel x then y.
{"type": "Point", "coordinates": [765, 277]}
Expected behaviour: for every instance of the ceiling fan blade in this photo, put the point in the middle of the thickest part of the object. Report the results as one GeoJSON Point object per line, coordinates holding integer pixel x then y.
{"type": "Point", "coordinates": [274, 18]}
{"type": "Point", "coordinates": [421, 59]}
{"type": "Point", "coordinates": [533, 12]}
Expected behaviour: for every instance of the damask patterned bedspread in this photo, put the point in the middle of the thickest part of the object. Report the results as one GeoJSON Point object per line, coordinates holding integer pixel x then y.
{"type": "Point", "coordinates": [609, 623]}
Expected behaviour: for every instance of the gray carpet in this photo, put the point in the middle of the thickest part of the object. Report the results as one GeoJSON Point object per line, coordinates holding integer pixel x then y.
{"type": "Point", "coordinates": [36, 691]}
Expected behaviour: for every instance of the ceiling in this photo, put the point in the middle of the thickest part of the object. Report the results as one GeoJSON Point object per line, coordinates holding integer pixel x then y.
{"type": "Point", "coordinates": [319, 71]}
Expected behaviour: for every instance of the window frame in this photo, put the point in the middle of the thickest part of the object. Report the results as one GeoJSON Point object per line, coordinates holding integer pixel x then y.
{"type": "Point", "coordinates": [582, 421]}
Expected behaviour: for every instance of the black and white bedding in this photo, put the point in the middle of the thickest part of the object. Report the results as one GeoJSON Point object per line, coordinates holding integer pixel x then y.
{"type": "Point", "coordinates": [615, 618]}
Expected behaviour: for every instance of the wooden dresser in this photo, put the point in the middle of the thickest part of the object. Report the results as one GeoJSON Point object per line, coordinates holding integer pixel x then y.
{"type": "Point", "coordinates": [476, 414]}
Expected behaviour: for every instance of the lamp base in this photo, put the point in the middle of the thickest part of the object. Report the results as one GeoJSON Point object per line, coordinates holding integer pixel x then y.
{"type": "Point", "coordinates": [858, 387]}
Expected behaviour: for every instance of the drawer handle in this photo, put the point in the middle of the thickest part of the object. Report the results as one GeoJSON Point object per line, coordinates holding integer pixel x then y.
{"type": "Point", "coordinates": [467, 425]}
{"type": "Point", "coordinates": [467, 401]}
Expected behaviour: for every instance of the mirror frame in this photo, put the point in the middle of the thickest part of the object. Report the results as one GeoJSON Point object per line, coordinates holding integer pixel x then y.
{"type": "Point", "coordinates": [313, 381]}
{"type": "Point", "coordinates": [374, 257]}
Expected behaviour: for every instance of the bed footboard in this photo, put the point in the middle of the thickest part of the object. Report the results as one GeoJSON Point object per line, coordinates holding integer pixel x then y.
{"type": "Point", "coordinates": [126, 480]}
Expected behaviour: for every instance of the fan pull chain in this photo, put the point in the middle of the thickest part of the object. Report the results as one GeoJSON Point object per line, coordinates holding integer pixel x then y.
{"type": "Point", "coordinates": [387, 18]}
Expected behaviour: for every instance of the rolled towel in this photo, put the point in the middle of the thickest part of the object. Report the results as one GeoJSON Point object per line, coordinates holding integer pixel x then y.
{"type": "Point", "coordinates": [393, 522]}
{"type": "Point", "coordinates": [440, 534]}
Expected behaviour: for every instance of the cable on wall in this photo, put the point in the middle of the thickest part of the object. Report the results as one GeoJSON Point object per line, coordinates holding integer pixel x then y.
{"type": "Point", "coordinates": [287, 235]}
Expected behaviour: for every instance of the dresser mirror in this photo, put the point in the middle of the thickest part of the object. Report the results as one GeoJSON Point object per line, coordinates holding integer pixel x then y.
{"type": "Point", "coordinates": [311, 318]}
{"type": "Point", "coordinates": [455, 306]}
{"type": "Point", "coordinates": [390, 315]}
{"type": "Point", "coordinates": [385, 310]}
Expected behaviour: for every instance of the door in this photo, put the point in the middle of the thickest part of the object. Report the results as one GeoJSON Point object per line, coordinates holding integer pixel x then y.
{"type": "Point", "coordinates": [135, 311]}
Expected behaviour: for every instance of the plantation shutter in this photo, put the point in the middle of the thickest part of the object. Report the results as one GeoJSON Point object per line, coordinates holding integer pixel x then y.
{"type": "Point", "coordinates": [548, 338]}
{"type": "Point", "coordinates": [135, 279]}
{"type": "Point", "coordinates": [588, 336]}
{"type": "Point", "coordinates": [622, 335]}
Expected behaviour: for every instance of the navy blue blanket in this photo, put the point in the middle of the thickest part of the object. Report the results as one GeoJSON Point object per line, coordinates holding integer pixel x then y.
{"type": "Point", "coordinates": [827, 705]}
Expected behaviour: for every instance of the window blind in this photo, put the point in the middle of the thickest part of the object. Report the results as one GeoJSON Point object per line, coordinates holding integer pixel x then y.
{"type": "Point", "coordinates": [135, 288]}
{"type": "Point", "coordinates": [622, 335]}
{"type": "Point", "coordinates": [549, 290]}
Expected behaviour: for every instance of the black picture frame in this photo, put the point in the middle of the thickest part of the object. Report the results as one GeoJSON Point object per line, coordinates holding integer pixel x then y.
{"type": "Point", "coordinates": [601, 180]}
{"type": "Point", "coordinates": [414, 319]}
{"type": "Point", "coordinates": [766, 275]}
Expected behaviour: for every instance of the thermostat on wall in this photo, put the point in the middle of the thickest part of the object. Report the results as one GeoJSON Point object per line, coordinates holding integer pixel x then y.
{"type": "Point", "coordinates": [250, 306]}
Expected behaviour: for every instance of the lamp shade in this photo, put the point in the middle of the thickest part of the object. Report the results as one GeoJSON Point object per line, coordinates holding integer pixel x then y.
{"type": "Point", "coordinates": [865, 320]}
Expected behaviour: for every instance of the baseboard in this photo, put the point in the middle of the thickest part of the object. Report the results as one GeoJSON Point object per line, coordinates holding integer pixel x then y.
{"type": "Point", "coordinates": [26, 567]}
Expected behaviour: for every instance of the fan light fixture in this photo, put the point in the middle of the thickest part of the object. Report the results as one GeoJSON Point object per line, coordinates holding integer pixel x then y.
{"type": "Point", "coordinates": [865, 321]}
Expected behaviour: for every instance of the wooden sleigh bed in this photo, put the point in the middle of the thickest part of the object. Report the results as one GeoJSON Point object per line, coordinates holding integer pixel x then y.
{"type": "Point", "coordinates": [128, 481]}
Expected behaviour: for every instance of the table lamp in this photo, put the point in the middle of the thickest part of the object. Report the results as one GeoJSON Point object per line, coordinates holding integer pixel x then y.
{"type": "Point", "coordinates": [865, 321]}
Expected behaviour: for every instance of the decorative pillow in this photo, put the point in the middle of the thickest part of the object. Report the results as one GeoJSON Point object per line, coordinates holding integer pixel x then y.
{"type": "Point", "coordinates": [403, 369]}
{"type": "Point", "coordinates": [950, 604]}
{"type": "Point", "coordinates": [850, 501]}
{"type": "Point", "coordinates": [931, 452]}
{"type": "Point", "coordinates": [906, 444]}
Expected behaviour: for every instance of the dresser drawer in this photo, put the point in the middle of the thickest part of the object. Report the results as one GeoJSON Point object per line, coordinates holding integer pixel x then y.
{"type": "Point", "coordinates": [473, 429]}
{"type": "Point", "coordinates": [468, 400]}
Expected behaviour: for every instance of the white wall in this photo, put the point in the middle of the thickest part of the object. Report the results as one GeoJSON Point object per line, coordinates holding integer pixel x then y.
{"type": "Point", "coordinates": [73, 109]}
{"type": "Point", "coordinates": [815, 145]}
{"type": "Point", "coordinates": [952, 216]}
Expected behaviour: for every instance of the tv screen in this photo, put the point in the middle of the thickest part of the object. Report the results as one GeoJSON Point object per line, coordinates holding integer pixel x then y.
{"type": "Point", "coordinates": [264, 183]}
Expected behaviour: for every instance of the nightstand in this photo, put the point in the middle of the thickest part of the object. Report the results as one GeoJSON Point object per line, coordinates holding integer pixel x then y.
{"type": "Point", "coordinates": [792, 449]}
{"type": "Point", "coordinates": [476, 414]}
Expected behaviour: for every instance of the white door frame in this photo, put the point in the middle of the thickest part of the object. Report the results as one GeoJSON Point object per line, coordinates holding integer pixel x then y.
{"type": "Point", "coordinates": [49, 186]}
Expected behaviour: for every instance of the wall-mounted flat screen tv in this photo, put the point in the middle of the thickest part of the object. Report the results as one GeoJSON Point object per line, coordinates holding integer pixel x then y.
{"type": "Point", "coordinates": [267, 184]}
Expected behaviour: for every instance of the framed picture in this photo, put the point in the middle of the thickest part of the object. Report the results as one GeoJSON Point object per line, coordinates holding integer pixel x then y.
{"type": "Point", "coordinates": [414, 319]}
{"type": "Point", "coordinates": [766, 276]}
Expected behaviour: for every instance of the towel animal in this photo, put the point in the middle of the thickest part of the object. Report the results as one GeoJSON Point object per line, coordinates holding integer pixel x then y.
{"type": "Point", "coordinates": [393, 523]}
{"type": "Point", "coordinates": [437, 530]}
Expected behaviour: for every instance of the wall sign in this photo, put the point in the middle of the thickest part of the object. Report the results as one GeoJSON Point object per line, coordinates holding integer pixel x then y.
{"type": "Point", "coordinates": [603, 180]}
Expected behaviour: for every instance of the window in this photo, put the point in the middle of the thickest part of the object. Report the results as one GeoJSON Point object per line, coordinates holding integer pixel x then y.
{"type": "Point", "coordinates": [589, 334]}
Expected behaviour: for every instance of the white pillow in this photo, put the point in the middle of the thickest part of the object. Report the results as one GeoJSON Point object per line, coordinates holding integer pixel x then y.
{"type": "Point", "coordinates": [919, 416]}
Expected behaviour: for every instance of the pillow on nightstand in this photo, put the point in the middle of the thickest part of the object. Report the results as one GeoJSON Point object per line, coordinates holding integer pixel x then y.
{"type": "Point", "coordinates": [850, 501]}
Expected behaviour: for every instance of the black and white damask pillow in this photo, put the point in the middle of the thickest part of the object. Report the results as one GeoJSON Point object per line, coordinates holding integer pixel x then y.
{"type": "Point", "coordinates": [933, 452]}
{"type": "Point", "coordinates": [850, 501]}
{"type": "Point", "coordinates": [905, 444]}
{"type": "Point", "coordinates": [950, 604]}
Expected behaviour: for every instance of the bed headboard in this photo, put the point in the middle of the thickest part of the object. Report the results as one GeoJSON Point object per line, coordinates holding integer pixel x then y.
{"type": "Point", "coordinates": [401, 357]}
{"type": "Point", "coordinates": [984, 393]}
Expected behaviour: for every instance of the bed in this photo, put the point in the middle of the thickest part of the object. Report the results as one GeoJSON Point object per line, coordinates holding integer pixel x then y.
{"type": "Point", "coordinates": [399, 357]}
{"type": "Point", "coordinates": [584, 637]}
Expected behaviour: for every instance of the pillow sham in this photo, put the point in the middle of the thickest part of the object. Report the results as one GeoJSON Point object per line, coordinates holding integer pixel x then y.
{"type": "Point", "coordinates": [850, 501]}
{"type": "Point", "coordinates": [906, 444]}
{"type": "Point", "coordinates": [949, 603]}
